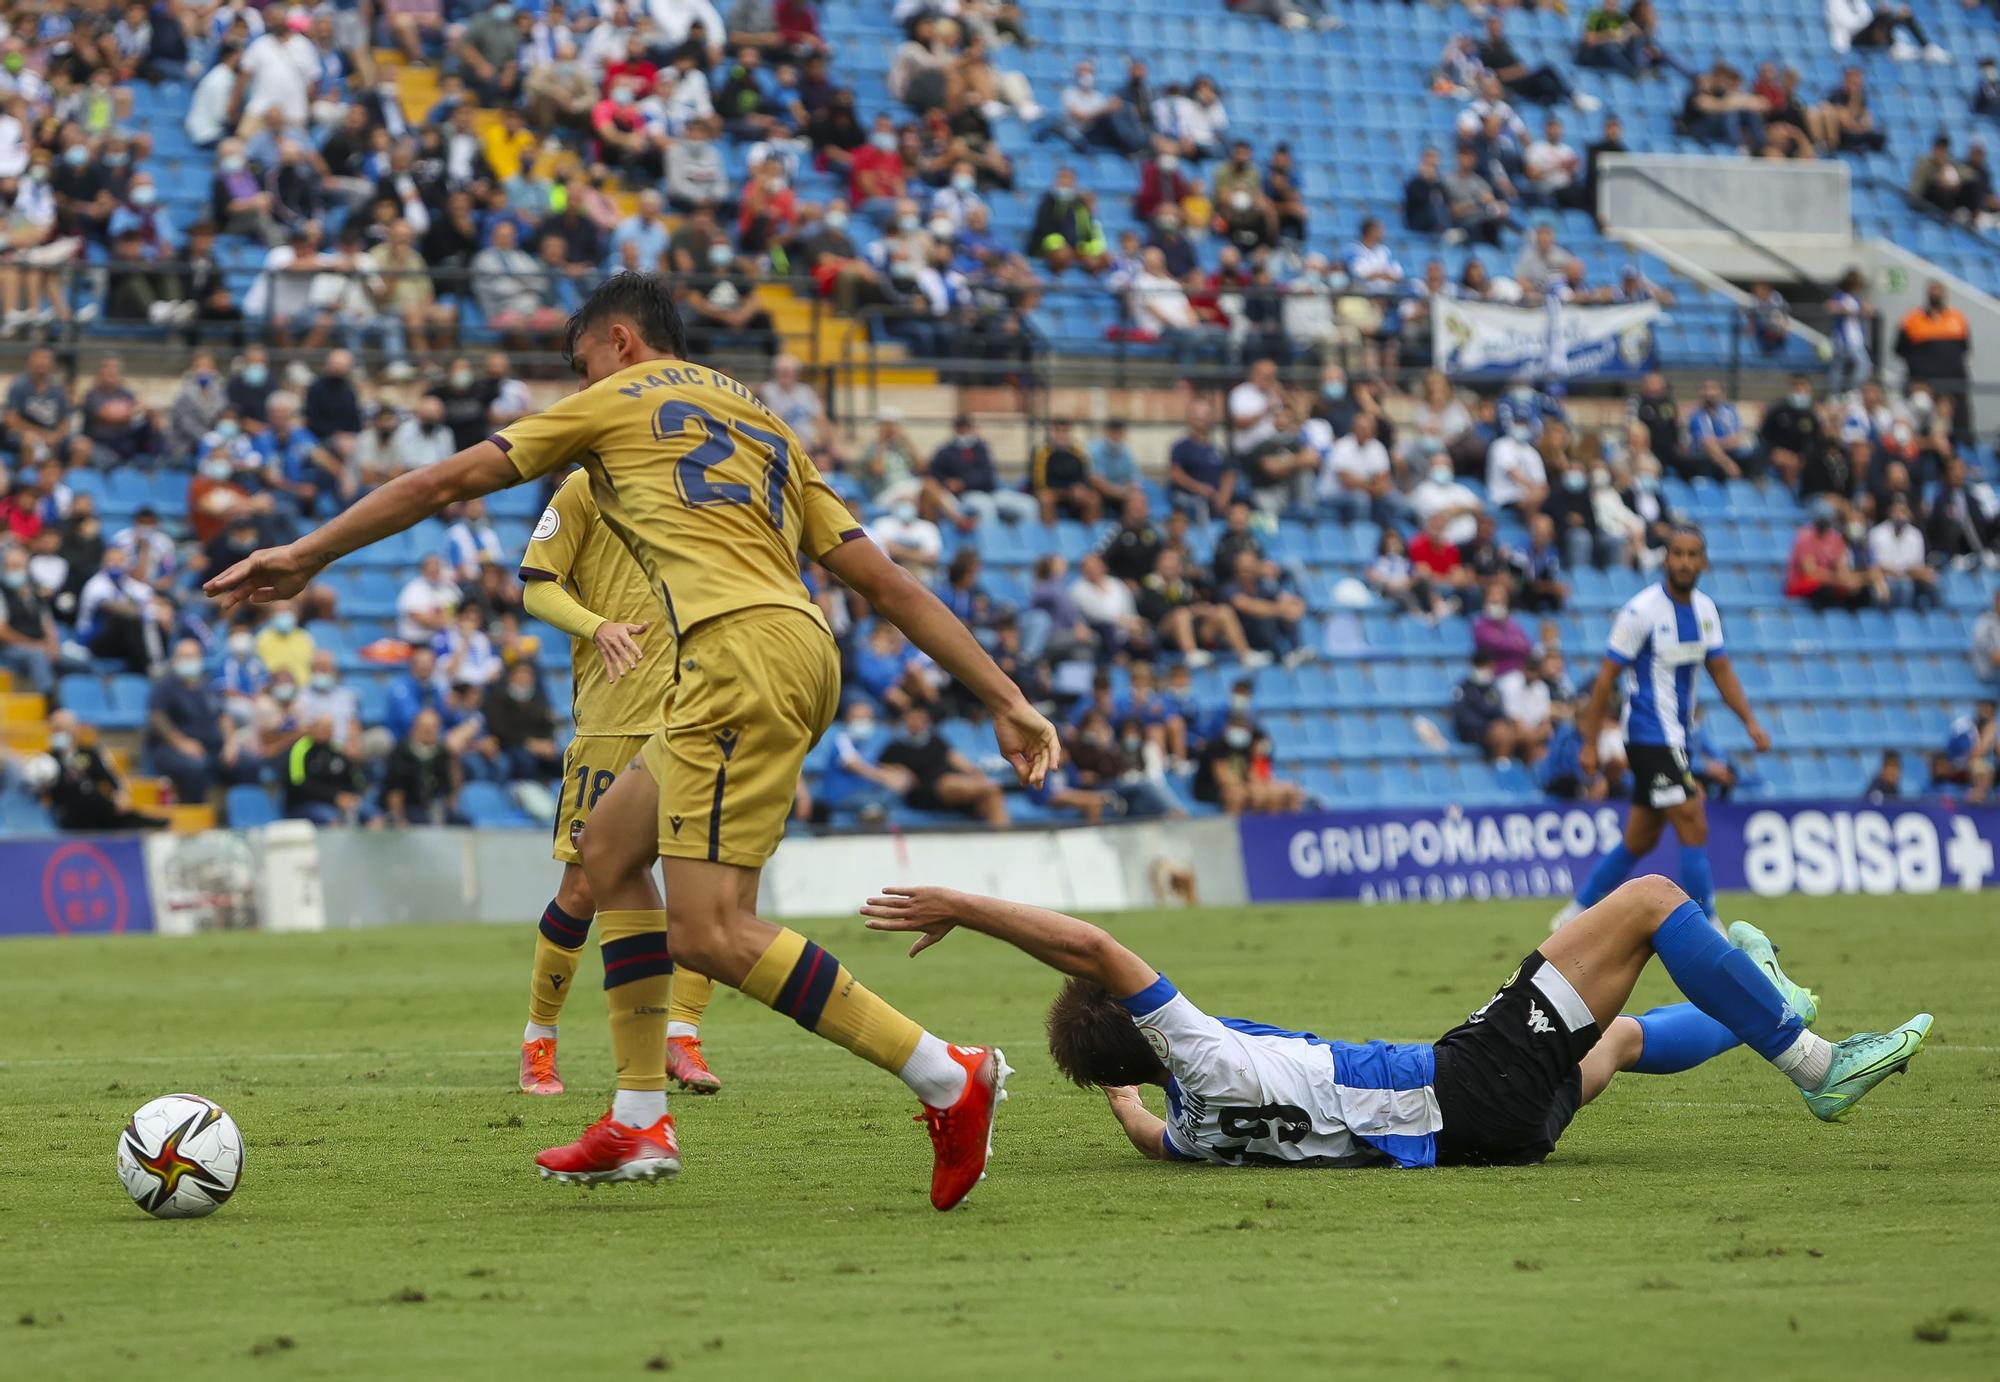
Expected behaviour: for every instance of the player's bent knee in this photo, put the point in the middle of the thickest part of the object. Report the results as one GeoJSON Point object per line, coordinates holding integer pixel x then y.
{"type": "Point", "coordinates": [1651, 898]}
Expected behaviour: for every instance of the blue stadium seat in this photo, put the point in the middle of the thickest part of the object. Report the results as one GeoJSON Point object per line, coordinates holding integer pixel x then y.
{"type": "Point", "coordinates": [246, 807]}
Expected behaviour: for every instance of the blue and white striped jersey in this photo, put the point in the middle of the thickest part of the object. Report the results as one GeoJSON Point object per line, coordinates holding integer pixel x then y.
{"type": "Point", "coordinates": [1663, 645]}
{"type": "Point", "coordinates": [1243, 1093]}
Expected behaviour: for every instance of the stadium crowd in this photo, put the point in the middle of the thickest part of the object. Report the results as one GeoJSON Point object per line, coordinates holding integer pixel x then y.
{"type": "Point", "coordinates": [380, 241]}
{"type": "Point", "coordinates": [1163, 592]}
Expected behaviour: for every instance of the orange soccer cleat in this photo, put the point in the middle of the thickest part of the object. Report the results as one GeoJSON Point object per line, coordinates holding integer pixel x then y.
{"type": "Point", "coordinates": [538, 1067]}
{"type": "Point", "coordinates": [962, 1135]}
{"type": "Point", "coordinates": [611, 1151]}
{"type": "Point", "coordinates": [687, 1069]}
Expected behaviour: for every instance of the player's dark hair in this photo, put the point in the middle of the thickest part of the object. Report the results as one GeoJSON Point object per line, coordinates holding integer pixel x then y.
{"type": "Point", "coordinates": [645, 300]}
{"type": "Point", "coordinates": [1686, 529]}
{"type": "Point", "coordinates": [1093, 1040]}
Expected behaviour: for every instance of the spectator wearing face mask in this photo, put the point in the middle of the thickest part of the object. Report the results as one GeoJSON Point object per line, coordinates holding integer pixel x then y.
{"type": "Point", "coordinates": [111, 617]}
{"type": "Point", "coordinates": [322, 782]}
{"type": "Point", "coordinates": [890, 670]}
{"type": "Point", "coordinates": [1896, 559]}
{"type": "Point", "coordinates": [88, 794]}
{"type": "Point", "coordinates": [1497, 633]}
{"type": "Point", "coordinates": [519, 718]}
{"type": "Point", "coordinates": [937, 777]}
{"type": "Point", "coordinates": [1792, 430]}
{"type": "Point", "coordinates": [1821, 567]}
{"type": "Point", "coordinates": [28, 644]}
{"type": "Point", "coordinates": [241, 676]}
{"type": "Point", "coordinates": [421, 778]}
{"type": "Point", "coordinates": [1719, 447]}
{"type": "Point", "coordinates": [324, 697]}
{"type": "Point", "coordinates": [1479, 717]}
{"type": "Point", "coordinates": [184, 725]}
{"type": "Point", "coordinates": [912, 541]}
{"type": "Point", "coordinates": [1234, 771]}
{"type": "Point", "coordinates": [1516, 475]}
{"type": "Point", "coordinates": [1934, 342]}
{"type": "Point", "coordinates": [283, 646]}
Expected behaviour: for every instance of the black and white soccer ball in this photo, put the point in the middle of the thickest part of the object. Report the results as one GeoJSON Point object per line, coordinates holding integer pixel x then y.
{"type": "Point", "coordinates": [180, 1157]}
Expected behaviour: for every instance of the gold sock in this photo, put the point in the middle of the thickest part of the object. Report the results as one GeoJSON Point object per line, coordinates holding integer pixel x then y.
{"type": "Point", "coordinates": [638, 975]}
{"type": "Point", "coordinates": [800, 980]}
{"type": "Point", "coordinates": [558, 947]}
{"type": "Point", "coordinates": [691, 994]}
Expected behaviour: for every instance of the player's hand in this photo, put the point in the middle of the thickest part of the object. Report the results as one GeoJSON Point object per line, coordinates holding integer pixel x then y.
{"type": "Point", "coordinates": [1759, 740]}
{"type": "Point", "coordinates": [932, 911]}
{"type": "Point", "coordinates": [266, 575]}
{"type": "Point", "coordinates": [1028, 741]}
{"type": "Point", "coordinates": [1586, 760]}
{"type": "Point", "coordinates": [618, 645]}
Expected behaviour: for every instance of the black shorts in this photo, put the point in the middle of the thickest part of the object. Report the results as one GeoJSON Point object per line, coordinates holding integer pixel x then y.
{"type": "Point", "coordinates": [1660, 776]}
{"type": "Point", "coordinates": [1508, 1079]}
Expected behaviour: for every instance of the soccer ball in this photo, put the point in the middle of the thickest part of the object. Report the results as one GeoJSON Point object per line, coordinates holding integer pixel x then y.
{"type": "Point", "coordinates": [180, 1157]}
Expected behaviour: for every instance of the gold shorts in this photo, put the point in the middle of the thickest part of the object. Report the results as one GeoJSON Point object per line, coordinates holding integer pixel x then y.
{"type": "Point", "coordinates": [591, 764]}
{"type": "Point", "coordinates": [757, 689]}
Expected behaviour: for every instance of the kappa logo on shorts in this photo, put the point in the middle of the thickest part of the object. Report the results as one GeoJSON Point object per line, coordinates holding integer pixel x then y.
{"type": "Point", "coordinates": [675, 822]}
{"type": "Point", "coordinates": [1538, 1021]}
{"type": "Point", "coordinates": [575, 831]}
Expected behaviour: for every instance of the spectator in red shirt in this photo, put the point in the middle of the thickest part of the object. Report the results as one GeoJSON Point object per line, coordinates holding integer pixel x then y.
{"type": "Point", "coordinates": [635, 64]}
{"type": "Point", "coordinates": [18, 510]}
{"type": "Point", "coordinates": [1161, 182]}
{"type": "Point", "coordinates": [1821, 571]}
{"type": "Point", "coordinates": [798, 27]}
{"type": "Point", "coordinates": [622, 137]}
{"type": "Point", "coordinates": [876, 176]}
{"type": "Point", "coordinates": [1438, 561]}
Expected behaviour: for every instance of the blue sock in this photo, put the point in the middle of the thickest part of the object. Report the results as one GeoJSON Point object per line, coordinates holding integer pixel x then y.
{"type": "Point", "coordinates": [1680, 1037]}
{"type": "Point", "coordinates": [1613, 869]}
{"type": "Point", "coordinates": [1696, 877]}
{"type": "Point", "coordinates": [1725, 983]}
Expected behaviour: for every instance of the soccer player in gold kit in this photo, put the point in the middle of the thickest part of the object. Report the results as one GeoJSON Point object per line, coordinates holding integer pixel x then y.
{"type": "Point", "coordinates": [622, 677]}
{"type": "Point", "coordinates": [717, 500]}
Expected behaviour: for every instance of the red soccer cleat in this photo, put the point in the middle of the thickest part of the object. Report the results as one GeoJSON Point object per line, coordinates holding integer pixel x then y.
{"type": "Point", "coordinates": [962, 1135]}
{"type": "Point", "coordinates": [538, 1067]}
{"type": "Point", "coordinates": [688, 1069]}
{"type": "Point", "coordinates": [611, 1151]}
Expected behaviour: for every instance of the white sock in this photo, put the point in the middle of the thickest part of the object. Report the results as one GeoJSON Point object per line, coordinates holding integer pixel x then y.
{"type": "Point", "coordinates": [535, 1031]}
{"type": "Point", "coordinates": [682, 1029]}
{"type": "Point", "coordinates": [1806, 1060]}
{"type": "Point", "coordinates": [932, 1074]}
{"type": "Point", "coordinates": [639, 1108]}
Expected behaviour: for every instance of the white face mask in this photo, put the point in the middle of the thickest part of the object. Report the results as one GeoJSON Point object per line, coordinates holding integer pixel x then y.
{"type": "Point", "coordinates": [1441, 474]}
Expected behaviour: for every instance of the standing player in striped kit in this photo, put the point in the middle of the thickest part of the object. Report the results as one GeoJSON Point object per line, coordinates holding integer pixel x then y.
{"type": "Point", "coordinates": [622, 671]}
{"type": "Point", "coordinates": [1659, 643]}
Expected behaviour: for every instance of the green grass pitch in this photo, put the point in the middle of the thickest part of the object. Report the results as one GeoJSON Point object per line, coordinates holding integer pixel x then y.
{"type": "Point", "coordinates": [390, 1224]}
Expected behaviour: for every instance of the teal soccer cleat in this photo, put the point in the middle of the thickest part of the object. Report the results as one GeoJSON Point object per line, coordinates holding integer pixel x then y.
{"type": "Point", "coordinates": [1758, 947]}
{"type": "Point", "coordinates": [1863, 1061]}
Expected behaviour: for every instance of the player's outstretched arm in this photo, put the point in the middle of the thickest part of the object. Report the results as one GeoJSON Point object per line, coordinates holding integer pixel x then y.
{"type": "Point", "coordinates": [1026, 738]}
{"type": "Point", "coordinates": [1061, 942]}
{"type": "Point", "coordinates": [1723, 672]}
{"type": "Point", "coordinates": [278, 573]}
{"type": "Point", "coordinates": [1144, 1128]}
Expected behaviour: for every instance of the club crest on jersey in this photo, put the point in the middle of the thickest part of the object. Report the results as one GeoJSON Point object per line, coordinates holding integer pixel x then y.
{"type": "Point", "coordinates": [546, 527]}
